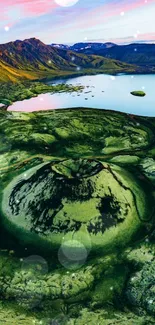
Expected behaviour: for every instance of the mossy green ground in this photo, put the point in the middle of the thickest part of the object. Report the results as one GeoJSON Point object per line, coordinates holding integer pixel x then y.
{"type": "Point", "coordinates": [75, 199]}
{"type": "Point", "coordinates": [139, 93]}
{"type": "Point", "coordinates": [100, 291]}
{"type": "Point", "coordinates": [12, 92]}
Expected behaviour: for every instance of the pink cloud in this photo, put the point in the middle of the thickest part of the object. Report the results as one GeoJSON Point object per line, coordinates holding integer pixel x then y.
{"type": "Point", "coordinates": [141, 37]}
{"type": "Point", "coordinates": [102, 14]}
{"type": "Point", "coordinates": [105, 12]}
{"type": "Point", "coordinates": [76, 20]}
{"type": "Point", "coordinates": [28, 7]}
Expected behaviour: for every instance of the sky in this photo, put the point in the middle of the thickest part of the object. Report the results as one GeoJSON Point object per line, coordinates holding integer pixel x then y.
{"type": "Point", "coordinates": [71, 21]}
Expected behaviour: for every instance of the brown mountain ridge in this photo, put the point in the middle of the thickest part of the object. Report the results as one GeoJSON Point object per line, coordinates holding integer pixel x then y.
{"type": "Point", "coordinates": [34, 60]}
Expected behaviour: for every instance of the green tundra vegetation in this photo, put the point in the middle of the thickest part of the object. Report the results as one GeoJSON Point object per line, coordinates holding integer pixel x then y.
{"type": "Point", "coordinates": [139, 93]}
{"type": "Point", "coordinates": [12, 92]}
{"type": "Point", "coordinates": [77, 213]}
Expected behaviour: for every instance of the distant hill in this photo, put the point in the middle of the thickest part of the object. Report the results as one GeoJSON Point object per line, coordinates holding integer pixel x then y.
{"type": "Point", "coordinates": [61, 46]}
{"type": "Point", "coordinates": [87, 47]}
{"type": "Point", "coordinates": [141, 54]}
{"type": "Point", "coordinates": [32, 59]}
{"type": "Point", "coordinates": [136, 53]}
{"type": "Point", "coordinates": [91, 46]}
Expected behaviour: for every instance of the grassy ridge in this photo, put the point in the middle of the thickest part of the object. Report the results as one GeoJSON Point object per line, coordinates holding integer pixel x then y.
{"type": "Point", "coordinates": [33, 60]}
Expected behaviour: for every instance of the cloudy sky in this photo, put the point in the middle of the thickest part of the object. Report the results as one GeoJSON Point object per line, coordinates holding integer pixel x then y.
{"type": "Point", "coordinates": [71, 21]}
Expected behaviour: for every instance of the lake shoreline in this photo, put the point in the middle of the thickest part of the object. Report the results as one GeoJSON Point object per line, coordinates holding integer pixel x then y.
{"type": "Point", "coordinates": [28, 91]}
{"type": "Point", "coordinates": [76, 75]}
{"type": "Point", "coordinates": [102, 91]}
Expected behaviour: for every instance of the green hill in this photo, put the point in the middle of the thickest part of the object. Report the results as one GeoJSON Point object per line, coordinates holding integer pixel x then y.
{"type": "Point", "coordinates": [31, 59]}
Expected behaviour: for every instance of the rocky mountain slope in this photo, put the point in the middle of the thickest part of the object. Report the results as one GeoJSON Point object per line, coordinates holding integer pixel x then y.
{"type": "Point", "coordinates": [32, 59]}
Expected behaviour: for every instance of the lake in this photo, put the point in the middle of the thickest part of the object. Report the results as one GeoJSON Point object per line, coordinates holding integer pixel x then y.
{"type": "Point", "coordinates": [101, 91]}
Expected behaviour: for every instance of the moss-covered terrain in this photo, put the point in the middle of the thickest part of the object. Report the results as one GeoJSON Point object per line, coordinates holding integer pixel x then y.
{"type": "Point", "coordinates": [76, 198]}
{"type": "Point", "coordinates": [138, 93]}
{"type": "Point", "coordinates": [77, 239]}
{"type": "Point", "coordinates": [12, 92]}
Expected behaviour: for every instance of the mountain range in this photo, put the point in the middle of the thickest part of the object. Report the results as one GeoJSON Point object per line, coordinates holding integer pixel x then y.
{"type": "Point", "coordinates": [34, 60]}
{"type": "Point", "coordinates": [84, 46]}
{"type": "Point", "coordinates": [135, 53]}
